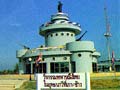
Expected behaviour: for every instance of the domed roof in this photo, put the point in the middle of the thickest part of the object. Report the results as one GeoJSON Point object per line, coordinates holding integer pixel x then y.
{"type": "Point", "coordinates": [60, 21]}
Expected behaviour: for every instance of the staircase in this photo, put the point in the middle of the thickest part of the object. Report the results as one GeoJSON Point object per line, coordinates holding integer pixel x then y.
{"type": "Point", "coordinates": [12, 82]}
{"type": "Point", "coordinates": [7, 87]}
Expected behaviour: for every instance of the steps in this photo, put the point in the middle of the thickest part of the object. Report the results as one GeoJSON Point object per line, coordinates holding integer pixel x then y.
{"type": "Point", "coordinates": [10, 84]}
{"type": "Point", "coordinates": [13, 81]}
{"type": "Point", "coordinates": [7, 86]}
{"type": "Point", "coordinates": [16, 77]}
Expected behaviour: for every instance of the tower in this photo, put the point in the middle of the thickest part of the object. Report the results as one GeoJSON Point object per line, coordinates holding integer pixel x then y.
{"type": "Point", "coordinates": [59, 30]}
{"type": "Point", "coordinates": [107, 36]}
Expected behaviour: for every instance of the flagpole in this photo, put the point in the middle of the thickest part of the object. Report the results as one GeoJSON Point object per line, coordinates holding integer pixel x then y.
{"type": "Point", "coordinates": [42, 67]}
{"type": "Point", "coordinates": [39, 58]}
{"type": "Point", "coordinates": [113, 64]}
{"type": "Point", "coordinates": [114, 71]}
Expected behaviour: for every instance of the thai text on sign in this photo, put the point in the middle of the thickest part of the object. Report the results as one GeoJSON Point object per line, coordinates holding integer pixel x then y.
{"type": "Point", "coordinates": [61, 81]}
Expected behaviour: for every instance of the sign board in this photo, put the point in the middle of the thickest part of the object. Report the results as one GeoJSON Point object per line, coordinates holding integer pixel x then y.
{"type": "Point", "coordinates": [63, 81]}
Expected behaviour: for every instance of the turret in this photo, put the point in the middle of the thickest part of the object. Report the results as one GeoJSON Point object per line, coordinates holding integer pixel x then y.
{"type": "Point", "coordinates": [60, 30]}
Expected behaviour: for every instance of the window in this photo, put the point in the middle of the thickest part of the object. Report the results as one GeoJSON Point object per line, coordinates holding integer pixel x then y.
{"type": "Point", "coordinates": [59, 67]}
{"type": "Point", "coordinates": [43, 59]}
{"type": "Point", "coordinates": [94, 66]}
{"type": "Point", "coordinates": [71, 34]}
{"type": "Point", "coordinates": [51, 35]}
{"type": "Point", "coordinates": [73, 67]}
{"type": "Point", "coordinates": [28, 68]}
{"type": "Point", "coordinates": [56, 34]}
{"type": "Point", "coordinates": [79, 55]}
{"type": "Point", "coordinates": [41, 68]}
{"type": "Point", "coordinates": [65, 58]}
{"type": "Point", "coordinates": [67, 34]}
{"type": "Point", "coordinates": [62, 34]}
{"type": "Point", "coordinates": [20, 60]}
{"type": "Point", "coordinates": [53, 58]}
{"type": "Point", "coordinates": [62, 21]}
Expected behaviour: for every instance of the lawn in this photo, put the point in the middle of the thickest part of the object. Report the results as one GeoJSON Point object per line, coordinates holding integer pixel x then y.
{"type": "Point", "coordinates": [29, 85]}
{"type": "Point", "coordinates": [96, 84]}
{"type": "Point", "coordinates": [105, 84]}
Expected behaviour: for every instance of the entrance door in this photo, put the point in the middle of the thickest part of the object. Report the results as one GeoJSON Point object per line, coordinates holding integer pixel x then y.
{"type": "Point", "coordinates": [27, 68]}
{"type": "Point", "coordinates": [94, 66]}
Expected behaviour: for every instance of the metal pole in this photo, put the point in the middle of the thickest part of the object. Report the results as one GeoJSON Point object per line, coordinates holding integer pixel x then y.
{"type": "Point", "coordinates": [108, 47]}
{"type": "Point", "coordinates": [42, 67]}
{"type": "Point", "coordinates": [30, 71]}
{"type": "Point", "coordinates": [70, 67]}
{"type": "Point", "coordinates": [30, 59]}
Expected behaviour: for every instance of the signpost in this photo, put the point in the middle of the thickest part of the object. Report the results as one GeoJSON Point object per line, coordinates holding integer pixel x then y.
{"type": "Point", "coordinates": [69, 81]}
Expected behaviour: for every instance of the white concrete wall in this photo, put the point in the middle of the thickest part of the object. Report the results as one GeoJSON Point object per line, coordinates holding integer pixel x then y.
{"type": "Point", "coordinates": [52, 40]}
{"type": "Point", "coordinates": [83, 63]}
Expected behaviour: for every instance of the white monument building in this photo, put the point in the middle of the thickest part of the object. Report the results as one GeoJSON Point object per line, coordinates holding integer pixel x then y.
{"type": "Point", "coordinates": [62, 52]}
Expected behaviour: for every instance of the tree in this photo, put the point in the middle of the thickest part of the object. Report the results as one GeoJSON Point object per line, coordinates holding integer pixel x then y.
{"type": "Point", "coordinates": [16, 68]}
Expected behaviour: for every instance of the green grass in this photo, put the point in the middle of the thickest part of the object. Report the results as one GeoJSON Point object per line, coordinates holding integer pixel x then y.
{"type": "Point", "coordinates": [105, 84]}
{"type": "Point", "coordinates": [97, 84]}
{"type": "Point", "coordinates": [29, 85]}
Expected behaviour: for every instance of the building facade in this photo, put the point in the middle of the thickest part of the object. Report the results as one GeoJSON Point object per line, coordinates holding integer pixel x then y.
{"type": "Point", "coordinates": [104, 65]}
{"type": "Point", "coordinates": [61, 52]}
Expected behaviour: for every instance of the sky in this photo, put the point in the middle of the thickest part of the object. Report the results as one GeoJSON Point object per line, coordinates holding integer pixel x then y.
{"type": "Point", "coordinates": [20, 21]}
